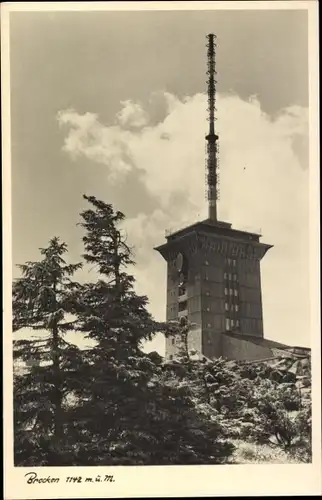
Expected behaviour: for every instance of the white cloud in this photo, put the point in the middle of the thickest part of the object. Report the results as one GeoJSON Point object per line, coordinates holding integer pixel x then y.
{"type": "Point", "coordinates": [104, 145]}
{"type": "Point", "coordinates": [132, 115]}
{"type": "Point", "coordinates": [262, 184]}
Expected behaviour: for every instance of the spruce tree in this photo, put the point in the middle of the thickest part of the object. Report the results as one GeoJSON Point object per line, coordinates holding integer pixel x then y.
{"type": "Point", "coordinates": [130, 411]}
{"type": "Point", "coordinates": [43, 296]}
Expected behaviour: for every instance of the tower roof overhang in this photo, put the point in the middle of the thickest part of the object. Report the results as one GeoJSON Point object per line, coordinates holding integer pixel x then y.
{"type": "Point", "coordinates": [212, 232]}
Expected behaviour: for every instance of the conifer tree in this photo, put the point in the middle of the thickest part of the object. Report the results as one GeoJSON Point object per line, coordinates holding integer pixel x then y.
{"type": "Point", "coordinates": [130, 413]}
{"type": "Point", "coordinates": [42, 298]}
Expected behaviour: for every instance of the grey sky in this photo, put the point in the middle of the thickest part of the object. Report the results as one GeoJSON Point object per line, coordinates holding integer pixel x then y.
{"type": "Point", "coordinates": [91, 61]}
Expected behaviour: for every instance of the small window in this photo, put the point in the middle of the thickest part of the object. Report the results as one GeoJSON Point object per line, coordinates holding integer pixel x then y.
{"type": "Point", "coordinates": [234, 262]}
{"type": "Point", "coordinates": [236, 293]}
{"type": "Point", "coordinates": [209, 325]}
{"type": "Point", "coordinates": [207, 292]}
{"type": "Point", "coordinates": [232, 323]}
{"type": "Point", "coordinates": [237, 323]}
{"type": "Point", "coordinates": [226, 291]}
{"type": "Point", "coordinates": [225, 276]}
{"type": "Point", "coordinates": [206, 277]}
{"type": "Point", "coordinates": [183, 305]}
{"type": "Point", "coordinates": [227, 324]}
{"type": "Point", "coordinates": [206, 263]}
{"type": "Point", "coordinates": [226, 306]}
{"type": "Point", "coordinates": [172, 341]}
{"type": "Point", "coordinates": [231, 291]}
{"type": "Point", "coordinates": [170, 356]}
{"type": "Point", "coordinates": [208, 309]}
{"type": "Point", "coordinates": [229, 277]}
{"type": "Point", "coordinates": [235, 277]}
{"type": "Point", "coordinates": [236, 307]}
{"type": "Point", "coordinates": [232, 307]}
{"type": "Point", "coordinates": [229, 262]}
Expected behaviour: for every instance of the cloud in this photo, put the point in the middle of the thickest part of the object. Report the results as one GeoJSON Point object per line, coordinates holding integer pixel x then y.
{"type": "Point", "coordinates": [263, 185]}
{"type": "Point", "coordinates": [132, 115]}
{"type": "Point", "coordinates": [103, 145]}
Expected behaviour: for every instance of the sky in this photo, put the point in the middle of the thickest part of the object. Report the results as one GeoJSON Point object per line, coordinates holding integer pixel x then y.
{"type": "Point", "coordinates": [113, 104]}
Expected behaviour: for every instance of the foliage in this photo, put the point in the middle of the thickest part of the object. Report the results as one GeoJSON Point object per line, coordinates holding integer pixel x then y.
{"type": "Point", "coordinates": [254, 453]}
{"type": "Point", "coordinates": [254, 402]}
{"type": "Point", "coordinates": [42, 300]}
{"type": "Point", "coordinates": [127, 411]}
{"type": "Point", "coordinates": [113, 404]}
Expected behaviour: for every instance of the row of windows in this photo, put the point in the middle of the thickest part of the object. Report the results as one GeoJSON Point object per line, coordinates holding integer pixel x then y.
{"type": "Point", "coordinates": [252, 325]}
{"type": "Point", "coordinates": [182, 306]}
{"type": "Point", "coordinates": [194, 301]}
{"type": "Point", "coordinates": [231, 323]}
{"type": "Point", "coordinates": [231, 262]}
{"type": "Point", "coordinates": [231, 291]}
{"type": "Point", "coordinates": [230, 276]}
{"type": "Point", "coordinates": [233, 307]}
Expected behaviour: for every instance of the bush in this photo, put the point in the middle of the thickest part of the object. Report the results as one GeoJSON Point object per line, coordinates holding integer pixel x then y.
{"type": "Point", "coordinates": [251, 453]}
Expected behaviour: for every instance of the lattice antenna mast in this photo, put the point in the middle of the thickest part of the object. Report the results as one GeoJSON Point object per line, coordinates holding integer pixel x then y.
{"type": "Point", "coordinates": [212, 163]}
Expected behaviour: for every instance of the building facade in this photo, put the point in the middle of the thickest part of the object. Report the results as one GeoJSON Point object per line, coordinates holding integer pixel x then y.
{"type": "Point", "coordinates": [213, 279]}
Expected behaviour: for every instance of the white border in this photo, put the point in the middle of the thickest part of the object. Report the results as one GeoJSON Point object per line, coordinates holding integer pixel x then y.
{"type": "Point", "coordinates": [174, 481]}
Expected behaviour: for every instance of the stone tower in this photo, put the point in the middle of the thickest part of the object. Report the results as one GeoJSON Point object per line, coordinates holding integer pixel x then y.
{"type": "Point", "coordinates": [214, 270]}
{"type": "Point", "coordinates": [214, 280]}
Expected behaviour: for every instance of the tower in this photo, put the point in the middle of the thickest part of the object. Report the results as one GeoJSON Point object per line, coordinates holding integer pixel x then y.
{"type": "Point", "coordinates": [214, 270]}
{"type": "Point", "coordinates": [212, 137]}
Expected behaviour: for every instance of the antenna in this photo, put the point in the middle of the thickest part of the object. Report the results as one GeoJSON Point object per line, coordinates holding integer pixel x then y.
{"type": "Point", "coordinates": [212, 163]}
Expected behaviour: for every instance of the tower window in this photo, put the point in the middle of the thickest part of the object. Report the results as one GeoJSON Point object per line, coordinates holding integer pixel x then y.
{"type": "Point", "coordinates": [231, 291]}
{"type": "Point", "coordinates": [182, 305]}
{"type": "Point", "coordinates": [227, 324]}
{"type": "Point", "coordinates": [232, 323]}
{"type": "Point", "coordinates": [234, 262]}
{"type": "Point", "coordinates": [226, 306]}
{"type": "Point", "coordinates": [225, 276]}
{"type": "Point", "coordinates": [229, 276]}
{"type": "Point", "coordinates": [236, 307]}
{"type": "Point", "coordinates": [226, 291]}
{"type": "Point", "coordinates": [236, 293]}
{"type": "Point", "coordinates": [237, 323]}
